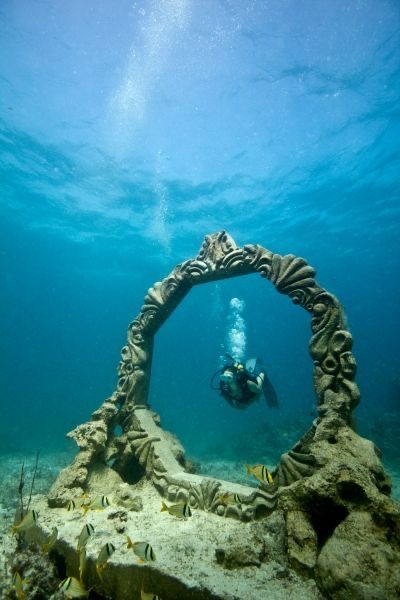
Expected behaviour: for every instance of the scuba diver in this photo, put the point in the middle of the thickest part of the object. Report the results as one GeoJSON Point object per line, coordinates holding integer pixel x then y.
{"type": "Point", "coordinates": [241, 384]}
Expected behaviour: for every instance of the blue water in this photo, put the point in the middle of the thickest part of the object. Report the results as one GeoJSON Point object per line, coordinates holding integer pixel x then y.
{"type": "Point", "coordinates": [129, 131]}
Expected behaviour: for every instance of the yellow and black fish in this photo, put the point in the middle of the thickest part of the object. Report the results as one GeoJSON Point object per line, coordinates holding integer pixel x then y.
{"type": "Point", "coordinates": [104, 554]}
{"type": "Point", "coordinates": [261, 473]}
{"type": "Point", "coordinates": [86, 532]}
{"type": "Point", "coordinates": [181, 510]}
{"type": "Point", "coordinates": [82, 561]}
{"type": "Point", "coordinates": [73, 588]}
{"type": "Point", "coordinates": [148, 595]}
{"type": "Point", "coordinates": [99, 503]}
{"type": "Point", "coordinates": [74, 504]}
{"type": "Point", "coordinates": [27, 522]}
{"type": "Point", "coordinates": [18, 585]}
{"type": "Point", "coordinates": [142, 549]}
{"type": "Point", "coordinates": [51, 540]}
{"type": "Point", "coordinates": [230, 498]}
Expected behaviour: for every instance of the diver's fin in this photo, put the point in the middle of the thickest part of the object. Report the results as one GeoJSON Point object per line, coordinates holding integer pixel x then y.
{"type": "Point", "coordinates": [270, 393]}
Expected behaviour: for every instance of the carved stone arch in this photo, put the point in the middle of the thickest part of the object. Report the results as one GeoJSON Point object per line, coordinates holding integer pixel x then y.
{"type": "Point", "coordinates": [143, 442]}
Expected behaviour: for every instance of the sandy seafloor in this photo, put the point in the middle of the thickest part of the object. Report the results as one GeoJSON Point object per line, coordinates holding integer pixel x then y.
{"type": "Point", "coordinates": [49, 466]}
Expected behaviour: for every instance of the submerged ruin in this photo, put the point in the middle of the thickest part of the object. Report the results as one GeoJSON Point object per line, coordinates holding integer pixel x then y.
{"type": "Point", "coordinates": [327, 521]}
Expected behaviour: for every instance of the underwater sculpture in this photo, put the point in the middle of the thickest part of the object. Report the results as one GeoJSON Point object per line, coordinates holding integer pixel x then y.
{"type": "Point", "coordinates": [142, 440]}
{"type": "Point", "coordinates": [330, 486]}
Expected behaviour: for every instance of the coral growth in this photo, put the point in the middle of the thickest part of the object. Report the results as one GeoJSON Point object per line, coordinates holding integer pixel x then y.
{"type": "Point", "coordinates": [37, 572]}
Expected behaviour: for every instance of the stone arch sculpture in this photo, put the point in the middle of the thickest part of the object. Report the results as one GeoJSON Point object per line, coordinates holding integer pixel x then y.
{"type": "Point", "coordinates": [144, 448]}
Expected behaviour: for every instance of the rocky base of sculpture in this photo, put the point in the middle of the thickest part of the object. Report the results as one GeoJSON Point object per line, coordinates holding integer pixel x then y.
{"type": "Point", "coordinates": [337, 528]}
{"type": "Point", "coordinates": [333, 535]}
{"type": "Point", "coordinates": [204, 557]}
{"type": "Point", "coordinates": [342, 529]}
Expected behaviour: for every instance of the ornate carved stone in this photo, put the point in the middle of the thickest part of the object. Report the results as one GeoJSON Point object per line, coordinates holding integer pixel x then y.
{"type": "Point", "coordinates": [145, 450]}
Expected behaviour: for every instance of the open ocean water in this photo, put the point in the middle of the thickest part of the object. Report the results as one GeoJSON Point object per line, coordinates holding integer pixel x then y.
{"type": "Point", "coordinates": [128, 131]}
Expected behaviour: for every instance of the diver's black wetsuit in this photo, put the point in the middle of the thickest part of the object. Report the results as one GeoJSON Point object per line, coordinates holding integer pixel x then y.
{"type": "Point", "coordinates": [247, 396]}
{"type": "Point", "coordinates": [236, 390]}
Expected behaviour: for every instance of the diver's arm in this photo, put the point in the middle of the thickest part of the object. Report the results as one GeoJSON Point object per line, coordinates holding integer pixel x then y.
{"type": "Point", "coordinates": [256, 386]}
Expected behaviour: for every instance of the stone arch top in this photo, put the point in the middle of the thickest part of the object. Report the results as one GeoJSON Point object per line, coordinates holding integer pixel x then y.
{"type": "Point", "coordinates": [143, 442]}
{"type": "Point", "coordinates": [220, 258]}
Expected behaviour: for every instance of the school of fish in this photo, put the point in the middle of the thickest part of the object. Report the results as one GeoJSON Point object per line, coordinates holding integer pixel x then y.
{"type": "Point", "coordinates": [72, 587]}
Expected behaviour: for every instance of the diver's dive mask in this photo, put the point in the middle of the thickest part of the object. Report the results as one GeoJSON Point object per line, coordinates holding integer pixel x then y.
{"type": "Point", "coordinates": [227, 376]}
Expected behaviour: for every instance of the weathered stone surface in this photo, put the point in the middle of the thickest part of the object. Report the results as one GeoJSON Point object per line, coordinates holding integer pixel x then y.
{"type": "Point", "coordinates": [125, 496]}
{"type": "Point", "coordinates": [265, 541]}
{"type": "Point", "coordinates": [350, 475]}
{"type": "Point", "coordinates": [302, 542]}
{"type": "Point", "coordinates": [69, 485]}
{"type": "Point", "coordinates": [341, 515]}
{"type": "Point", "coordinates": [90, 436]}
{"type": "Point", "coordinates": [272, 533]}
{"type": "Point", "coordinates": [186, 565]}
{"type": "Point", "coordinates": [361, 560]}
{"type": "Point", "coordinates": [102, 480]}
{"type": "Point", "coordinates": [241, 555]}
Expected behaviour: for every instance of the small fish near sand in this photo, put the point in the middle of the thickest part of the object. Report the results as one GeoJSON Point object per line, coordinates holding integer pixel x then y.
{"type": "Point", "coordinates": [18, 586]}
{"type": "Point", "coordinates": [229, 498]}
{"type": "Point", "coordinates": [99, 503]}
{"type": "Point", "coordinates": [74, 504]}
{"type": "Point", "coordinates": [51, 540]}
{"type": "Point", "coordinates": [104, 554]}
{"type": "Point", "coordinates": [261, 473]}
{"type": "Point", "coordinates": [82, 561]}
{"type": "Point", "coordinates": [143, 550]}
{"type": "Point", "coordinates": [73, 588]}
{"type": "Point", "coordinates": [26, 523]}
{"type": "Point", "coordinates": [148, 595]}
{"type": "Point", "coordinates": [86, 532]}
{"type": "Point", "coordinates": [181, 510]}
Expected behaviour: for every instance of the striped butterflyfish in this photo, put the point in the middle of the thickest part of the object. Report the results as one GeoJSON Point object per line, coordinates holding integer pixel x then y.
{"type": "Point", "coordinates": [181, 510]}
{"type": "Point", "coordinates": [99, 503]}
{"type": "Point", "coordinates": [260, 472]}
{"type": "Point", "coordinates": [148, 595]}
{"type": "Point", "coordinates": [142, 549]}
{"type": "Point", "coordinates": [27, 522]}
{"type": "Point", "coordinates": [86, 532]}
{"type": "Point", "coordinates": [104, 554]}
{"type": "Point", "coordinates": [72, 588]}
{"type": "Point", "coordinates": [230, 498]}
